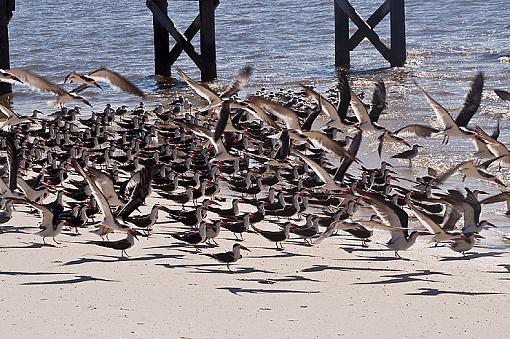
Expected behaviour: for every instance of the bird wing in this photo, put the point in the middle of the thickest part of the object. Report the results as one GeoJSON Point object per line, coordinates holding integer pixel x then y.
{"type": "Point", "coordinates": [47, 215]}
{"type": "Point", "coordinates": [378, 101]}
{"type": "Point", "coordinates": [286, 114]}
{"type": "Point", "coordinates": [443, 177]}
{"type": "Point", "coordinates": [501, 197]}
{"type": "Point", "coordinates": [321, 172]}
{"type": "Point", "coordinates": [116, 80]}
{"type": "Point", "coordinates": [224, 115]}
{"type": "Point", "coordinates": [504, 95]}
{"type": "Point", "coordinates": [353, 150]}
{"type": "Point", "coordinates": [22, 184]}
{"type": "Point", "coordinates": [240, 81]}
{"type": "Point", "coordinates": [102, 202]}
{"type": "Point", "coordinates": [326, 106]}
{"type": "Point", "coordinates": [495, 147]}
{"type": "Point", "coordinates": [257, 112]}
{"type": "Point", "coordinates": [36, 82]}
{"type": "Point", "coordinates": [142, 188]}
{"type": "Point", "coordinates": [105, 184]}
{"type": "Point", "coordinates": [344, 93]}
{"type": "Point", "coordinates": [201, 90]}
{"type": "Point", "coordinates": [429, 224]}
{"type": "Point", "coordinates": [471, 102]}
{"type": "Point", "coordinates": [328, 144]}
{"type": "Point", "coordinates": [12, 161]}
{"type": "Point", "coordinates": [6, 113]}
{"type": "Point", "coordinates": [443, 117]}
{"type": "Point", "coordinates": [390, 214]}
{"type": "Point", "coordinates": [380, 226]}
{"type": "Point", "coordinates": [359, 109]}
{"type": "Point", "coordinates": [416, 130]}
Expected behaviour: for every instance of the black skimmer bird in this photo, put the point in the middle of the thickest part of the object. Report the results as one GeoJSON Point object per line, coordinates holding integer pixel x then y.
{"type": "Point", "coordinates": [39, 83]}
{"type": "Point", "coordinates": [466, 242]}
{"type": "Point", "coordinates": [6, 214]}
{"type": "Point", "coordinates": [145, 221]}
{"type": "Point", "coordinates": [109, 220]}
{"type": "Point", "coordinates": [9, 119]}
{"type": "Point", "coordinates": [122, 244]}
{"type": "Point", "coordinates": [394, 219]}
{"type": "Point", "coordinates": [103, 74]}
{"type": "Point", "coordinates": [238, 227]}
{"type": "Point", "coordinates": [500, 197]}
{"type": "Point", "coordinates": [51, 225]}
{"type": "Point", "coordinates": [276, 236]}
{"type": "Point", "coordinates": [193, 238]}
{"type": "Point", "coordinates": [229, 257]}
{"type": "Point", "coordinates": [457, 127]}
{"type": "Point", "coordinates": [408, 154]}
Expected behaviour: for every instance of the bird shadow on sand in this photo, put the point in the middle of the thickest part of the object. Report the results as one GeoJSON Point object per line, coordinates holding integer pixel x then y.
{"type": "Point", "coordinates": [321, 268]}
{"type": "Point", "coordinates": [112, 258]}
{"type": "Point", "coordinates": [420, 275]}
{"type": "Point", "coordinates": [217, 268]}
{"type": "Point", "coordinates": [505, 266]}
{"type": "Point", "coordinates": [473, 255]}
{"type": "Point", "coordinates": [30, 245]}
{"type": "Point", "coordinates": [240, 290]}
{"type": "Point", "coordinates": [287, 278]}
{"type": "Point", "coordinates": [12, 229]}
{"type": "Point", "coordinates": [76, 280]}
{"type": "Point", "coordinates": [432, 292]}
{"type": "Point", "coordinates": [21, 273]}
{"type": "Point", "coordinates": [278, 254]}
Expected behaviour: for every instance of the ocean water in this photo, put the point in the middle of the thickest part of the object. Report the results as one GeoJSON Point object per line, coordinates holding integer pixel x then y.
{"type": "Point", "coordinates": [287, 42]}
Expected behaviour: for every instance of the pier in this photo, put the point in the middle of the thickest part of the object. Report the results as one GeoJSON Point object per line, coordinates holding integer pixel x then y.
{"type": "Point", "coordinates": [205, 59]}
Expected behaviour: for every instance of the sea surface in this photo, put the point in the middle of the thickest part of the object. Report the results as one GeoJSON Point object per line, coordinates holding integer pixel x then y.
{"type": "Point", "coordinates": [287, 42]}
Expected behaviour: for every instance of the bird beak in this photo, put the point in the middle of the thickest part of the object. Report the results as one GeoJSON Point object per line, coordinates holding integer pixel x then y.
{"type": "Point", "coordinates": [164, 208]}
{"type": "Point", "coordinates": [424, 233]}
{"type": "Point", "coordinates": [489, 224]}
{"type": "Point", "coordinates": [245, 248]}
{"type": "Point", "coordinates": [86, 102]}
{"type": "Point", "coordinates": [478, 236]}
{"type": "Point", "coordinates": [212, 202]}
{"type": "Point", "coordinates": [98, 86]}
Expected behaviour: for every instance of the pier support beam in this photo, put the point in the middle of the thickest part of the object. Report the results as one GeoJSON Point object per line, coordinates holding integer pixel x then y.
{"type": "Point", "coordinates": [163, 26]}
{"type": "Point", "coordinates": [396, 55]}
{"type": "Point", "coordinates": [6, 9]}
{"type": "Point", "coordinates": [161, 42]}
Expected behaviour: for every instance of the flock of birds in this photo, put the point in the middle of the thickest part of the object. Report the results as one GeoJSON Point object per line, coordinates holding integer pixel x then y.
{"type": "Point", "coordinates": [275, 158]}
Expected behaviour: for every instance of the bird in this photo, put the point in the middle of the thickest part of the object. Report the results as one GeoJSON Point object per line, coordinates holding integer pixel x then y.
{"type": "Point", "coordinates": [466, 242]}
{"type": "Point", "coordinates": [104, 74]}
{"type": "Point", "coordinates": [193, 238]}
{"type": "Point", "coordinates": [9, 119]}
{"type": "Point", "coordinates": [276, 236]}
{"type": "Point", "coordinates": [229, 257]}
{"type": "Point", "coordinates": [122, 244]}
{"type": "Point", "coordinates": [408, 154]}
{"type": "Point", "coordinates": [394, 219]}
{"type": "Point", "coordinates": [41, 84]}
{"type": "Point", "coordinates": [109, 220]}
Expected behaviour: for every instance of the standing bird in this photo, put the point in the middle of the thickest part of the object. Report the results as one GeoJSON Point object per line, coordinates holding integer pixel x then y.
{"type": "Point", "coordinates": [122, 244]}
{"type": "Point", "coordinates": [230, 256]}
{"type": "Point", "coordinates": [276, 236]}
{"type": "Point", "coordinates": [409, 154]}
{"type": "Point", "coordinates": [193, 238]}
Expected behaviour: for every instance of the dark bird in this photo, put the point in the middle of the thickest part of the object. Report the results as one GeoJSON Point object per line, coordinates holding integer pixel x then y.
{"type": "Point", "coordinates": [230, 256]}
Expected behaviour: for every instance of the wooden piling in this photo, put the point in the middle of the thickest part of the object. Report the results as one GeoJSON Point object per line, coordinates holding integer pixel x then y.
{"type": "Point", "coordinates": [208, 39]}
{"type": "Point", "coordinates": [398, 33]}
{"type": "Point", "coordinates": [6, 8]}
{"type": "Point", "coordinates": [342, 46]}
{"type": "Point", "coordinates": [161, 42]}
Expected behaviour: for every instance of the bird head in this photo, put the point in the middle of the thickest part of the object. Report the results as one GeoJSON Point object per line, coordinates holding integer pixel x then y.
{"type": "Point", "coordinates": [134, 233]}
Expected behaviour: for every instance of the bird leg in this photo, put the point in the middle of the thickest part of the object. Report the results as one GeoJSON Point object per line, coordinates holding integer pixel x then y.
{"type": "Point", "coordinates": [56, 242]}
{"type": "Point", "coordinates": [214, 241]}
{"type": "Point", "coordinates": [228, 266]}
{"type": "Point", "coordinates": [44, 240]}
{"type": "Point", "coordinates": [235, 235]}
{"type": "Point", "coordinates": [397, 255]}
{"type": "Point", "coordinates": [410, 163]}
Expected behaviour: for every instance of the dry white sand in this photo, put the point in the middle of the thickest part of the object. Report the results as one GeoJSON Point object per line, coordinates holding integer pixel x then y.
{"type": "Point", "coordinates": [165, 290]}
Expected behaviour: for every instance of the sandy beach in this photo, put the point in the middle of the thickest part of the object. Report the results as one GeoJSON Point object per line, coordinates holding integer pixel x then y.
{"type": "Point", "coordinates": [165, 289]}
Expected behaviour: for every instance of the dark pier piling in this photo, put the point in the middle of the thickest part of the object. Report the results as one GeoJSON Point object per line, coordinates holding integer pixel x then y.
{"type": "Point", "coordinates": [6, 9]}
